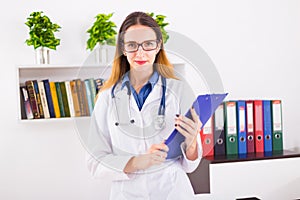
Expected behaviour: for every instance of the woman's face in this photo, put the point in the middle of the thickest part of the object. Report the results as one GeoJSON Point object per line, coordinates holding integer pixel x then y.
{"type": "Point", "coordinates": [140, 47]}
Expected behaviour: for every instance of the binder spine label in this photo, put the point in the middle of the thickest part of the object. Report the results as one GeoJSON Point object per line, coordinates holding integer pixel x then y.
{"type": "Point", "coordinates": [207, 129]}
{"type": "Point", "coordinates": [242, 118]}
{"type": "Point", "coordinates": [277, 116]}
{"type": "Point", "coordinates": [219, 118]}
{"type": "Point", "coordinates": [259, 120]}
{"type": "Point", "coordinates": [250, 117]}
{"type": "Point", "coordinates": [231, 119]}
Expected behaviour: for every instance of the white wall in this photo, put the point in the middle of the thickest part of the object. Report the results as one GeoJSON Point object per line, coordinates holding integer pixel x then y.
{"type": "Point", "coordinates": [255, 46]}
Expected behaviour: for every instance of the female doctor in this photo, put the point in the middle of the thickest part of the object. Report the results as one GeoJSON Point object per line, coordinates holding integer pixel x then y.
{"type": "Point", "coordinates": [135, 111]}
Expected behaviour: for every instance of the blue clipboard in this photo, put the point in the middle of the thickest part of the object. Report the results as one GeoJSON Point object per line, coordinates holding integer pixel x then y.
{"type": "Point", "coordinates": [206, 105]}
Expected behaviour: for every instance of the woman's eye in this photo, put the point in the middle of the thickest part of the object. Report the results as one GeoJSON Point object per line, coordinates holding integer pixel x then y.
{"type": "Point", "coordinates": [131, 45]}
{"type": "Point", "coordinates": [149, 44]}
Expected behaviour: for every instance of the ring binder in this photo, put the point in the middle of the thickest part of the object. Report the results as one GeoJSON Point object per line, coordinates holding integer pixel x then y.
{"type": "Point", "coordinates": [205, 106]}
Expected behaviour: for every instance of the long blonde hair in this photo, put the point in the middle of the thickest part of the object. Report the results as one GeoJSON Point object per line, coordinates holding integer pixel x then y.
{"type": "Point", "coordinates": [120, 64]}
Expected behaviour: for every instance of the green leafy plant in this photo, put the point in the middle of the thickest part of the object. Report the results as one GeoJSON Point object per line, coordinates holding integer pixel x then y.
{"type": "Point", "coordinates": [41, 31]}
{"type": "Point", "coordinates": [102, 32]}
{"type": "Point", "coordinates": [160, 21]}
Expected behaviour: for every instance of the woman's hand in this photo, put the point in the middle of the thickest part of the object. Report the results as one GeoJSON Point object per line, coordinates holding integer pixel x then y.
{"type": "Point", "coordinates": [189, 128]}
{"type": "Point", "coordinates": [155, 155]}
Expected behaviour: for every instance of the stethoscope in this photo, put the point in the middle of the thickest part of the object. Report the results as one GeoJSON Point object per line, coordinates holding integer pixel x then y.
{"type": "Point", "coordinates": [159, 121]}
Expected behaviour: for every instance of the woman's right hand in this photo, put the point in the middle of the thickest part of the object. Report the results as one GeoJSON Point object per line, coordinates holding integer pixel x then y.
{"type": "Point", "coordinates": [155, 155]}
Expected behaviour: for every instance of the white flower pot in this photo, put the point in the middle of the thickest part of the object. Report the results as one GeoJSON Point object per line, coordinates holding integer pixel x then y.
{"type": "Point", "coordinates": [101, 54]}
{"type": "Point", "coordinates": [42, 55]}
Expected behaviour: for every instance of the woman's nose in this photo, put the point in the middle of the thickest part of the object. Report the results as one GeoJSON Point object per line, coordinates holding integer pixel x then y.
{"type": "Point", "coordinates": [140, 51]}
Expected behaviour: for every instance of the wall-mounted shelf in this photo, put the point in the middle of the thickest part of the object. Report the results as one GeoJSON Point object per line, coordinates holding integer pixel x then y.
{"type": "Point", "coordinates": [59, 73]}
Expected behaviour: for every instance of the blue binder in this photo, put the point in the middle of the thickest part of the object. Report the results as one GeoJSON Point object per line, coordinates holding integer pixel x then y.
{"type": "Point", "coordinates": [267, 126]}
{"type": "Point", "coordinates": [49, 98]}
{"type": "Point", "coordinates": [241, 126]}
{"type": "Point", "coordinates": [205, 106]}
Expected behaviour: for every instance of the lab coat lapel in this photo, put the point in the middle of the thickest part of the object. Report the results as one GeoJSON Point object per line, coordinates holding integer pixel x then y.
{"type": "Point", "coordinates": [133, 103]}
{"type": "Point", "coordinates": [123, 96]}
{"type": "Point", "coordinates": [122, 104]}
{"type": "Point", "coordinates": [155, 94]}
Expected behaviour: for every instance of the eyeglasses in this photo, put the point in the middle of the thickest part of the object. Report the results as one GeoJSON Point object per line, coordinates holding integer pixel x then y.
{"type": "Point", "coordinates": [148, 45]}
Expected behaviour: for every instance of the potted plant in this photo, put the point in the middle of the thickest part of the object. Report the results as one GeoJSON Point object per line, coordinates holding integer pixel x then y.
{"type": "Point", "coordinates": [102, 33]}
{"type": "Point", "coordinates": [42, 38]}
{"type": "Point", "coordinates": [160, 21]}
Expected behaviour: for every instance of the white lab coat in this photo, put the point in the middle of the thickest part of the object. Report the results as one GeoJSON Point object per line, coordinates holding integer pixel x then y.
{"type": "Point", "coordinates": [110, 147]}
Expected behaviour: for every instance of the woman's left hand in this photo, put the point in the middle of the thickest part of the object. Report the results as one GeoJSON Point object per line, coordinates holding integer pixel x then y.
{"type": "Point", "coordinates": [189, 128]}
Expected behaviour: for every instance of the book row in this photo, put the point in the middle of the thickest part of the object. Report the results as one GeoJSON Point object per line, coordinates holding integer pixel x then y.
{"type": "Point", "coordinates": [49, 99]}
{"type": "Point", "coordinates": [242, 127]}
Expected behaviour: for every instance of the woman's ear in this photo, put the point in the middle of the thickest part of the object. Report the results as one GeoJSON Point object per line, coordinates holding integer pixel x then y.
{"type": "Point", "coordinates": [158, 46]}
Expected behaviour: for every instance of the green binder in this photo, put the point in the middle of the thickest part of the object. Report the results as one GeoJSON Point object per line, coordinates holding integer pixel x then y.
{"type": "Point", "coordinates": [230, 127]}
{"type": "Point", "coordinates": [277, 125]}
{"type": "Point", "coordinates": [64, 98]}
{"type": "Point", "coordinates": [59, 99]}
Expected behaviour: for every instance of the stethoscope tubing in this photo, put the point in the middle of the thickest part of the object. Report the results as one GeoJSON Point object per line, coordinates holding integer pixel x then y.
{"type": "Point", "coordinates": [162, 106]}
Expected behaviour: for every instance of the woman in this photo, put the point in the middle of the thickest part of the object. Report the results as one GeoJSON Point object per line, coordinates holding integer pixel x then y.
{"type": "Point", "coordinates": [129, 123]}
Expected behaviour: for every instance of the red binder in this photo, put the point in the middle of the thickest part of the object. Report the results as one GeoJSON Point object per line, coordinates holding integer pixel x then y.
{"type": "Point", "coordinates": [207, 139]}
{"type": "Point", "coordinates": [250, 127]}
{"type": "Point", "coordinates": [258, 126]}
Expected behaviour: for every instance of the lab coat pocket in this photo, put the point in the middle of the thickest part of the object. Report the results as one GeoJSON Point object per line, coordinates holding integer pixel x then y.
{"type": "Point", "coordinates": [134, 189]}
{"type": "Point", "coordinates": [172, 177]}
{"type": "Point", "coordinates": [162, 183]}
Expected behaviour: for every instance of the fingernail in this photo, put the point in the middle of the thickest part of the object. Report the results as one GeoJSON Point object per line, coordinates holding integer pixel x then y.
{"type": "Point", "coordinates": [177, 115]}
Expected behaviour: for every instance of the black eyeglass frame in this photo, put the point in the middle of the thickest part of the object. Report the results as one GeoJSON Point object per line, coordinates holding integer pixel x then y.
{"type": "Point", "coordinates": [140, 44]}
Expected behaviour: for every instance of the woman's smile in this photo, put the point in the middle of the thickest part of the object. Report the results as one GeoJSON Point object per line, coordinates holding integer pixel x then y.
{"type": "Point", "coordinates": [140, 62]}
